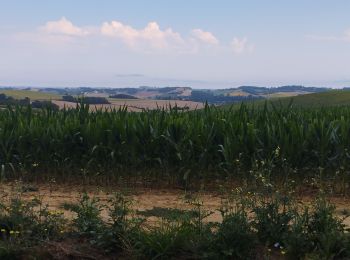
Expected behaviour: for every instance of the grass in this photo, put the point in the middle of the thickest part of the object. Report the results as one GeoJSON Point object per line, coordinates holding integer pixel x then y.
{"type": "Point", "coordinates": [166, 213]}
{"type": "Point", "coordinates": [313, 100]}
{"type": "Point", "coordinates": [262, 221]}
{"type": "Point", "coordinates": [33, 95]}
{"type": "Point", "coordinates": [329, 98]}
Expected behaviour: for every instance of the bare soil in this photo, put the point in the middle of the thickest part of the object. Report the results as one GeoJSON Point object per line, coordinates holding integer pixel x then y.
{"type": "Point", "coordinates": [55, 195]}
{"type": "Point", "coordinates": [136, 105]}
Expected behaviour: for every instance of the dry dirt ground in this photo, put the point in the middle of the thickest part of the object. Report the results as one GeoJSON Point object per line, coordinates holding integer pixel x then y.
{"type": "Point", "coordinates": [137, 104]}
{"type": "Point", "coordinates": [56, 195]}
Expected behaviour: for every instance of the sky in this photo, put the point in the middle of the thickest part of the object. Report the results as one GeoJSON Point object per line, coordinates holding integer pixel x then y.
{"type": "Point", "coordinates": [195, 43]}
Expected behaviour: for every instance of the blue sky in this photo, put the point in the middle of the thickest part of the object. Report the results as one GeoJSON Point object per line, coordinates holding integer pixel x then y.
{"type": "Point", "coordinates": [174, 43]}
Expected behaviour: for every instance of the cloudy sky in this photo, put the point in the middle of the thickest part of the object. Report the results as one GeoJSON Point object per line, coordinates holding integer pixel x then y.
{"type": "Point", "coordinates": [197, 43]}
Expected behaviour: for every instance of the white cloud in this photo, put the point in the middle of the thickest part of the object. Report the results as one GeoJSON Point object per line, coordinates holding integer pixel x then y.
{"type": "Point", "coordinates": [63, 27]}
{"type": "Point", "coordinates": [151, 36]}
{"type": "Point", "coordinates": [206, 37]}
{"type": "Point", "coordinates": [240, 46]}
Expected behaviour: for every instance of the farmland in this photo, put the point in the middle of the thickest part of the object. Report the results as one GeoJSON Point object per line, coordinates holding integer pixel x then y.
{"type": "Point", "coordinates": [232, 182]}
{"type": "Point", "coordinates": [136, 105]}
{"type": "Point", "coordinates": [175, 143]}
{"type": "Point", "coordinates": [33, 95]}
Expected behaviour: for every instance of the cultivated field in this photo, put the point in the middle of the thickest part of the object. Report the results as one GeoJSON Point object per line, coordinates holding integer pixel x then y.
{"type": "Point", "coordinates": [33, 95]}
{"type": "Point", "coordinates": [240, 182]}
{"type": "Point", "coordinates": [137, 105]}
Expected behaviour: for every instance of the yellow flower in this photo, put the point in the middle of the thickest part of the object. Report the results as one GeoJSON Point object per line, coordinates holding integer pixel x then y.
{"type": "Point", "coordinates": [12, 232]}
{"type": "Point", "coordinates": [283, 252]}
{"type": "Point", "coordinates": [3, 230]}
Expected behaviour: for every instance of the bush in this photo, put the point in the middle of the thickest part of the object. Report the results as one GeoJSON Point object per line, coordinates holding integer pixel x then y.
{"type": "Point", "coordinates": [93, 100]}
{"type": "Point", "coordinates": [272, 219]}
{"type": "Point", "coordinates": [327, 232]}
{"type": "Point", "coordinates": [24, 224]}
{"type": "Point", "coordinates": [69, 98]}
{"type": "Point", "coordinates": [44, 105]}
{"type": "Point", "coordinates": [308, 233]}
{"type": "Point", "coordinates": [88, 221]}
{"type": "Point", "coordinates": [123, 96]}
{"type": "Point", "coordinates": [235, 238]}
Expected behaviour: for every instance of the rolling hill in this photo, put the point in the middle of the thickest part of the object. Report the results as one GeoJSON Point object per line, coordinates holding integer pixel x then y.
{"type": "Point", "coordinates": [33, 95]}
{"type": "Point", "coordinates": [329, 98]}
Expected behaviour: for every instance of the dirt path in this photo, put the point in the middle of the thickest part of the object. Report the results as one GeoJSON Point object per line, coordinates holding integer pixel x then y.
{"type": "Point", "coordinates": [56, 195]}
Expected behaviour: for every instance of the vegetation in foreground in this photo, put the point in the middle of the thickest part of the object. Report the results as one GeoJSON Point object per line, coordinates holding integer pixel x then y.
{"type": "Point", "coordinates": [177, 145]}
{"type": "Point", "coordinates": [260, 222]}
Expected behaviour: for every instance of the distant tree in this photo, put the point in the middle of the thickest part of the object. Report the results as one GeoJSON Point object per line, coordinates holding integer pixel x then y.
{"type": "Point", "coordinates": [123, 96]}
{"type": "Point", "coordinates": [93, 100]}
{"type": "Point", "coordinates": [69, 98]}
{"type": "Point", "coordinates": [44, 104]}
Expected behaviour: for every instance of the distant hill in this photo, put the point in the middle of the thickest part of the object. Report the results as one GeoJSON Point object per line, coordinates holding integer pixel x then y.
{"type": "Point", "coordinates": [122, 96]}
{"type": "Point", "coordinates": [329, 98]}
{"type": "Point", "coordinates": [212, 96]}
{"type": "Point", "coordinates": [265, 92]}
{"type": "Point", "coordinates": [32, 94]}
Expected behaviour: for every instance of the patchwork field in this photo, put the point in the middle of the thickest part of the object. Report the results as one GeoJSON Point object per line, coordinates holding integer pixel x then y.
{"type": "Point", "coordinates": [33, 95]}
{"type": "Point", "coordinates": [137, 105]}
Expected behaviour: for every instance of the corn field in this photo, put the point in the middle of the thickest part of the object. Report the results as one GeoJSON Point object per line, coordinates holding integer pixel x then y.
{"type": "Point", "coordinates": [174, 142]}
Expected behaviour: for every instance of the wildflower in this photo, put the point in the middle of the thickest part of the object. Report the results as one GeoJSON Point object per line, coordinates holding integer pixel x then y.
{"type": "Point", "coordinates": [269, 249]}
{"type": "Point", "coordinates": [283, 252]}
{"type": "Point", "coordinates": [277, 245]}
{"type": "Point", "coordinates": [35, 164]}
{"type": "Point", "coordinates": [277, 151]}
{"type": "Point", "coordinates": [12, 232]}
{"type": "Point", "coordinates": [3, 230]}
{"type": "Point", "coordinates": [17, 232]}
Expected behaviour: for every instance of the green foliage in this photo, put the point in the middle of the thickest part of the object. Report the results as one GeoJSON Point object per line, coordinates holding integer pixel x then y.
{"type": "Point", "coordinates": [167, 213]}
{"type": "Point", "coordinates": [235, 238]}
{"type": "Point", "coordinates": [88, 220]}
{"type": "Point", "coordinates": [124, 226]}
{"type": "Point", "coordinates": [180, 145]}
{"type": "Point", "coordinates": [272, 220]}
{"type": "Point", "coordinates": [185, 235]}
{"type": "Point", "coordinates": [27, 223]}
{"type": "Point", "coordinates": [327, 231]}
{"type": "Point", "coordinates": [251, 225]}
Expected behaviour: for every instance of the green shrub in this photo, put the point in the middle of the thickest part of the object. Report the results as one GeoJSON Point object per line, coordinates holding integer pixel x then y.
{"type": "Point", "coordinates": [24, 224]}
{"type": "Point", "coordinates": [88, 221]}
{"type": "Point", "coordinates": [183, 235]}
{"type": "Point", "coordinates": [272, 219]}
{"type": "Point", "coordinates": [327, 231]}
{"type": "Point", "coordinates": [235, 238]}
